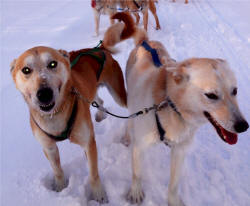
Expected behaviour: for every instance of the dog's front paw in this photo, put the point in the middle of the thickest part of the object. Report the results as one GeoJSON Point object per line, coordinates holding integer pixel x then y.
{"type": "Point", "coordinates": [59, 184]}
{"type": "Point", "coordinates": [135, 195]}
{"type": "Point", "coordinates": [99, 194]}
{"type": "Point", "coordinates": [158, 27]}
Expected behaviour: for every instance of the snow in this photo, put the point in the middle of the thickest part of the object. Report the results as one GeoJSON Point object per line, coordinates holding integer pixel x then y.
{"type": "Point", "coordinates": [214, 174]}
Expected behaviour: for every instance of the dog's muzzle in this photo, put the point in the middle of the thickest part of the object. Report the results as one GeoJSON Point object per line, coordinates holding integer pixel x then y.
{"type": "Point", "coordinates": [45, 96]}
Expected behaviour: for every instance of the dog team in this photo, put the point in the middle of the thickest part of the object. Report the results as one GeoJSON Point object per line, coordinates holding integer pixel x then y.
{"type": "Point", "coordinates": [175, 98]}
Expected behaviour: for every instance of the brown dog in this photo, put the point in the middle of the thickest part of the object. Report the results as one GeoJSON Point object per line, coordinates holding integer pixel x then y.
{"type": "Point", "coordinates": [110, 7]}
{"type": "Point", "coordinates": [58, 96]}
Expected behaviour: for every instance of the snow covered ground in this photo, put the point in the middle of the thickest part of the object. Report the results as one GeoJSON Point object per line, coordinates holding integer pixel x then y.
{"type": "Point", "coordinates": [215, 174]}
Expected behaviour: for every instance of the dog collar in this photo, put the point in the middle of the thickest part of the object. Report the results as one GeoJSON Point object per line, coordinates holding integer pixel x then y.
{"type": "Point", "coordinates": [66, 133]}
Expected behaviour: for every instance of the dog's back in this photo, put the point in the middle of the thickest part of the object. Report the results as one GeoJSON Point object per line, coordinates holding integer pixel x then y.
{"type": "Point", "coordinates": [84, 75]}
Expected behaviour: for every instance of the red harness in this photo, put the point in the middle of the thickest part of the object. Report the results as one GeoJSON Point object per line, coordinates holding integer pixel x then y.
{"type": "Point", "coordinates": [93, 3]}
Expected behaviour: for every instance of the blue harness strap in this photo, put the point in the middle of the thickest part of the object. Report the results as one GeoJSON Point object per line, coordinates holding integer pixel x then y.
{"type": "Point", "coordinates": [153, 52]}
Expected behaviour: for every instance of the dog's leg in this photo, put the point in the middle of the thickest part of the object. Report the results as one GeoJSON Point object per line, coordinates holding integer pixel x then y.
{"type": "Point", "coordinates": [126, 139]}
{"type": "Point", "coordinates": [52, 155]}
{"type": "Point", "coordinates": [136, 194]}
{"type": "Point", "coordinates": [153, 11]}
{"type": "Point", "coordinates": [112, 21]}
{"type": "Point", "coordinates": [145, 19]}
{"type": "Point", "coordinates": [98, 192]}
{"type": "Point", "coordinates": [137, 17]}
{"type": "Point", "coordinates": [177, 160]}
{"type": "Point", "coordinates": [97, 21]}
{"type": "Point", "coordinates": [99, 115]}
{"type": "Point", "coordinates": [84, 136]}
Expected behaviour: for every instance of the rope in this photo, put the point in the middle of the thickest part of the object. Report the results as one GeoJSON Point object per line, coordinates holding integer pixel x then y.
{"type": "Point", "coordinates": [146, 110]}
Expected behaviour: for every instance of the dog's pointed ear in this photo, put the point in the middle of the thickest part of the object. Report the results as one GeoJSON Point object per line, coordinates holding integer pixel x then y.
{"type": "Point", "coordinates": [64, 53]}
{"type": "Point", "coordinates": [216, 63]}
{"type": "Point", "coordinates": [168, 62]}
{"type": "Point", "coordinates": [220, 60]}
{"type": "Point", "coordinates": [180, 74]}
{"type": "Point", "coordinates": [12, 65]}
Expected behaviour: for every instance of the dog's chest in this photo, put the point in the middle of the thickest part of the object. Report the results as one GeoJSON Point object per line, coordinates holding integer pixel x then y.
{"type": "Point", "coordinates": [176, 129]}
{"type": "Point", "coordinates": [54, 126]}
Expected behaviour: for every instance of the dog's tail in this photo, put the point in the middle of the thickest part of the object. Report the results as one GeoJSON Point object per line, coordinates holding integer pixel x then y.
{"type": "Point", "coordinates": [119, 31]}
{"type": "Point", "coordinates": [112, 79]}
{"type": "Point", "coordinates": [140, 36]}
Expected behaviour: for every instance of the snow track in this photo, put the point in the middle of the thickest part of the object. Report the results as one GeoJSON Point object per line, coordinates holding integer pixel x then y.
{"type": "Point", "coordinates": [215, 174]}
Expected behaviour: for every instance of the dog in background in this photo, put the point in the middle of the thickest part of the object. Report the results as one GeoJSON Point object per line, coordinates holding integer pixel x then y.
{"type": "Point", "coordinates": [186, 1]}
{"type": "Point", "coordinates": [58, 95]}
{"type": "Point", "coordinates": [110, 7]}
{"type": "Point", "coordinates": [194, 92]}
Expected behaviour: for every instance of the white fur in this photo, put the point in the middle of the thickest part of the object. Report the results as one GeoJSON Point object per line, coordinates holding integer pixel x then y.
{"type": "Point", "coordinates": [29, 60]}
{"type": "Point", "coordinates": [45, 57]}
{"type": "Point", "coordinates": [179, 133]}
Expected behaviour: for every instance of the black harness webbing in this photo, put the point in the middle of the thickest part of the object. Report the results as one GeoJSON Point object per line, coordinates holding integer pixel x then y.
{"type": "Point", "coordinates": [157, 63]}
{"type": "Point", "coordinates": [136, 4]}
{"type": "Point", "coordinates": [66, 133]}
{"type": "Point", "coordinates": [159, 127]}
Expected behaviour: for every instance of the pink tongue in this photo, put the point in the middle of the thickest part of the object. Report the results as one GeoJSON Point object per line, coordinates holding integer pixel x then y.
{"type": "Point", "coordinates": [231, 138]}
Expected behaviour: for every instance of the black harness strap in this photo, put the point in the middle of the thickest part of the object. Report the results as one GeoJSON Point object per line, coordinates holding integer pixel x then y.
{"type": "Point", "coordinates": [157, 63]}
{"type": "Point", "coordinates": [137, 5]}
{"type": "Point", "coordinates": [159, 127]}
{"type": "Point", "coordinates": [66, 133]}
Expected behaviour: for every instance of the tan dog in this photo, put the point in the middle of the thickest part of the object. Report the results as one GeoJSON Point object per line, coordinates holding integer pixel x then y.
{"type": "Point", "coordinates": [57, 96]}
{"type": "Point", "coordinates": [186, 1]}
{"type": "Point", "coordinates": [193, 92]}
{"type": "Point", "coordinates": [110, 7]}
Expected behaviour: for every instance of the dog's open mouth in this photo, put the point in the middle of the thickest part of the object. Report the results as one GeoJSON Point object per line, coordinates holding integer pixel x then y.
{"type": "Point", "coordinates": [47, 107]}
{"type": "Point", "coordinates": [229, 137]}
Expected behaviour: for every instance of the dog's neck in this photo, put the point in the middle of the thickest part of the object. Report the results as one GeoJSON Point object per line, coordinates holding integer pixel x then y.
{"type": "Point", "coordinates": [55, 122]}
{"type": "Point", "coordinates": [169, 118]}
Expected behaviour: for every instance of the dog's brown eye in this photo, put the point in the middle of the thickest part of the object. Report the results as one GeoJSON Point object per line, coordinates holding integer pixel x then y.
{"type": "Point", "coordinates": [26, 70]}
{"type": "Point", "coordinates": [212, 96]}
{"type": "Point", "coordinates": [52, 65]}
{"type": "Point", "coordinates": [234, 92]}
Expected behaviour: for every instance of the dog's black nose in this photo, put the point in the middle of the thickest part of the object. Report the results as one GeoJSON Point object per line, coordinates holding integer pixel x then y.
{"type": "Point", "coordinates": [45, 95]}
{"type": "Point", "coordinates": [241, 126]}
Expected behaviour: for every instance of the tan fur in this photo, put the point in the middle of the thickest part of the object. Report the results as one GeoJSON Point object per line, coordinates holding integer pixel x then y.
{"type": "Point", "coordinates": [109, 7]}
{"type": "Point", "coordinates": [62, 79]}
{"type": "Point", "coordinates": [187, 84]}
{"type": "Point", "coordinates": [120, 31]}
{"type": "Point", "coordinates": [186, 1]}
